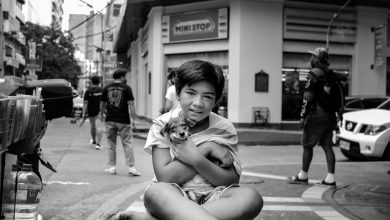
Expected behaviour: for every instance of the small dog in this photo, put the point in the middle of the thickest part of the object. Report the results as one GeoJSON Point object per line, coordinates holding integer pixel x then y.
{"type": "Point", "coordinates": [176, 130]}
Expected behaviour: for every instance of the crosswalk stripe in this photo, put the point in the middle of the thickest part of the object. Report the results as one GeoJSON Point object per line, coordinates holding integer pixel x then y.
{"type": "Point", "coordinates": [293, 208]}
{"type": "Point", "coordinates": [137, 206]}
{"type": "Point", "coordinates": [291, 200]}
{"type": "Point", "coordinates": [271, 176]}
{"type": "Point", "coordinates": [65, 183]}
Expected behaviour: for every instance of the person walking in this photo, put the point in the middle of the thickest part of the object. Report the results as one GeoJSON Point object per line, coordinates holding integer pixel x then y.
{"type": "Point", "coordinates": [118, 105]}
{"type": "Point", "coordinates": [171, 101]}
{"type": "Point", "coordinates": [91, 110]}
{"type": "Point", "coordinates": [319, 113]}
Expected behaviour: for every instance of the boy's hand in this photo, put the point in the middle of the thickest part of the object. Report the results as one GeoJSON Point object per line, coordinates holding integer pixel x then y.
{"type": "Point", "coordinates": [218, 152]}
{"type": "Point", "coordinates": [187, 152]}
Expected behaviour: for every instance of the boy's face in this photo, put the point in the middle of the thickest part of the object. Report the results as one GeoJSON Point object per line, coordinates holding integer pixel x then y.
{"type": "Point", "coordinates": [197, 100]}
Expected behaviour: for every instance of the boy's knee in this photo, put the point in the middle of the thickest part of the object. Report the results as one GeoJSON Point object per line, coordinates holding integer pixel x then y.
{"type": "Point", "coordinates": [156, 191]}
{"type": "Point", "coordinates": [253, 202]}
{"type": "Point", "coordinates": [255, 198]}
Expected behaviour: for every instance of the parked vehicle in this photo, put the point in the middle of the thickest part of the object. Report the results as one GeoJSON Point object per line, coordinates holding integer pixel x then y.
{"type": "Point", "coordinates": [25, 108]}
{"type": "Point", "coordinates": [365, 134]}
{"type": "Point", "coordinates": [77, 109]}
{"type": "Point", "coordinates": [355, 103]}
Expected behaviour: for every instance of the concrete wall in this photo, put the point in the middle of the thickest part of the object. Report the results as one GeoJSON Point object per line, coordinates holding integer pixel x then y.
{"type": "Point", "coordinates": [255, 44]}
{"type": "Point", "coordinates": [365, 80]}
{"type": "Point", "coordinates": [155, 62]}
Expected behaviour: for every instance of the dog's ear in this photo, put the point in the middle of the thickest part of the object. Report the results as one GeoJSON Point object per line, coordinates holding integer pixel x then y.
{"type": "Point", "coordinates": [162, 130]}
{"type": "Point", "coordinates": [165, 129]}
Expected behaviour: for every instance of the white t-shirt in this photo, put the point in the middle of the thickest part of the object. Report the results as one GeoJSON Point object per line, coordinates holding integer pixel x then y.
{"type": "Point", "coordinates": [171, 96]}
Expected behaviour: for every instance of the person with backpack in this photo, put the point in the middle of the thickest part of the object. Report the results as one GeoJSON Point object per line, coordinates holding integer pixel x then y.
{"type": "Point", "coordinates": [321, 109]}
{"type": "Point", "coordinates": [91, 111]}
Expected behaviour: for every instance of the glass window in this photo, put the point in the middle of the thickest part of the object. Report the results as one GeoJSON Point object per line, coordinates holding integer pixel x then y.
{"type": "Point", "coordinates": [116, 10]}
{"type": "Point", "coordinates": [293, 84]}
{"type": "Point", "coordinates": [372, 103]}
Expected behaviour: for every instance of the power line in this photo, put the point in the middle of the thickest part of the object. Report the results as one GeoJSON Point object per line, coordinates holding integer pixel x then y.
{"type": "Point", "coordinates": [90, 35]}
{"type": "Point", "coordinates": [100, 11]}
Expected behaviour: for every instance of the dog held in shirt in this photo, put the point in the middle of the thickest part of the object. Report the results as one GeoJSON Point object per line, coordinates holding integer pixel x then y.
{"type": "Point", "coordinates": [177, 130]}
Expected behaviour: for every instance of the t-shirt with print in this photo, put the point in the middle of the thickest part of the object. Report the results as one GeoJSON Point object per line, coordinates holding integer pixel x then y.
{"type": "Point", "coordinates": [117, 96]}
{"type": "Point", "coordinates": [93, 95]}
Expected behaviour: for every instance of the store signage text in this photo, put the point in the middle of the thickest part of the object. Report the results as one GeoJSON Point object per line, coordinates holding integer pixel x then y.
{"type": "Point", "coordinates": [194, 27]}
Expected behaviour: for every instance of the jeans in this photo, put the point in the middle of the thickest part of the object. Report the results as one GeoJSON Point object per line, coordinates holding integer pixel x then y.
{"type": "Point", "coordinates": [125, 133]}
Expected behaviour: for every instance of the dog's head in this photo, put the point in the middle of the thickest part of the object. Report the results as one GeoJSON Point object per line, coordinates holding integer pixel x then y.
{"type": "Point", "coordinates": [176, 129]}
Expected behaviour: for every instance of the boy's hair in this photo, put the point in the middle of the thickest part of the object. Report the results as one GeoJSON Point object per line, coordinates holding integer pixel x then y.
{"type": "Point", "coordinates": [198, 70]}
{"type": "Point", "coordinates": [95, 80]}
{"type": "Point", "coordinates": [119, 73]}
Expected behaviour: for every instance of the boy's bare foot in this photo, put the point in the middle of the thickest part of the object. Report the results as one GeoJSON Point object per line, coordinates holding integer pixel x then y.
{"type": "Point", "coordinates": [130, 215]}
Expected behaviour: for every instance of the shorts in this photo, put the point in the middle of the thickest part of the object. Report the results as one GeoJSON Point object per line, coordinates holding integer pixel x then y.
{"type": "Point", "coordinates": [201, 196]}
{"type": "Point", "coordinates": [318, 129]}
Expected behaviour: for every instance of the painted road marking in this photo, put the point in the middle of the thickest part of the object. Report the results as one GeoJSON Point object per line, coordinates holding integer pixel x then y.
{"type": "Point", "coordinates": [291, 200]}
{"type": "Point", "coordinates": [271, 176]}
{"type": "Point", "coordinates": [64, 183]}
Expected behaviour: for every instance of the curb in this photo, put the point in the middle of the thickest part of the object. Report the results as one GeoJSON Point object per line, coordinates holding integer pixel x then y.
{"type": "Point", "coordinates": [112, 205]}
{"type": "Point", "coordinates": [328, 197]}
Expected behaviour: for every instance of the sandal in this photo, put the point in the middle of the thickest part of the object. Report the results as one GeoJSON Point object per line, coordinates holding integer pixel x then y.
{"type": "Point", "coordinates": [331, 185]}
{"type": "Point", "coordinates": [295, 180]}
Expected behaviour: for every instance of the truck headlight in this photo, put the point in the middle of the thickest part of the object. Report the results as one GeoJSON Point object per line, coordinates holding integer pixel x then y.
{"type": "Point", "coordinates": [375, 129]}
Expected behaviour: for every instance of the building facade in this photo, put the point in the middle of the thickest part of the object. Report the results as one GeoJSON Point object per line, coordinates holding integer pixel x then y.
{"type": "Point", "coordinates": [12, 40]}
{"type": "Point", "coordinates": [44, 12]}
{"type": "Point", "coordinates": [87, 31]}
{"type": "Point", "coordinates": [261, 45]}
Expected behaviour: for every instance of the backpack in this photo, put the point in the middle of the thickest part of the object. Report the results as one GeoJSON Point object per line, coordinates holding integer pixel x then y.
{"type": "Point", "coordinates": [329, 91]}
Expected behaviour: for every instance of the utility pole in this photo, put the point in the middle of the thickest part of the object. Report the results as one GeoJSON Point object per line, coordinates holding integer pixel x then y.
{"type": "Point", "coordinates": [1, 40]}
{"type": "Point", "coordinates": [102, 53]}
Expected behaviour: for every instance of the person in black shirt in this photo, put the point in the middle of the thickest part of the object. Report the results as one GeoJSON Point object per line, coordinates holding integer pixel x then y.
{"type": "Point", "coordinates": [91, 110]}
{"type": "Point", "coordinates": [317, 121]}
{"type": "Point", "coordinates": [118, 104]}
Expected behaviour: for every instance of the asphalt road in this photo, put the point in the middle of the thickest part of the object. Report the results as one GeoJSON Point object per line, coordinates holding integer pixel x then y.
{"type": "Point", "coordinates": [81, 190]}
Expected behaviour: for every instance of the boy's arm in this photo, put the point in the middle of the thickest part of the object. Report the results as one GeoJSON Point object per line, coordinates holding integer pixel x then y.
{"type": "Point", "coordinates": [213, 173]}
{"type": "Point", "coordinates": [170, 171]}
{"type": "Point", "coordinates": [132, 113]}
{"type": "Point", "coordinates": [102, 107]}
{"type": "Point", "coordinates": [85, 106]}
{"type": "Point", "coordinates": [222, 174]}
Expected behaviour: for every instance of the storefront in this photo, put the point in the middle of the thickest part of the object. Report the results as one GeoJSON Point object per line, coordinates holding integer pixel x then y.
{"type": "Point", "coordinates": [262, 47]}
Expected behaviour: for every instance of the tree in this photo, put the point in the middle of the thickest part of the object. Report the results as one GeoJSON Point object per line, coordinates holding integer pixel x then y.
{"type": "Point", "coordinates": [56, 51]}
